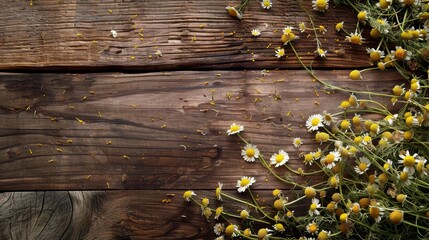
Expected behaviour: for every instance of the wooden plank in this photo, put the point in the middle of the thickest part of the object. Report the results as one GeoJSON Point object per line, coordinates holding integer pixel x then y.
{"type": "Point", "coordinates": [142, 214]}
{"type": "Point", "coordinates": [158, 130]}
{"type": "Point", "coordinates": [70, 35]}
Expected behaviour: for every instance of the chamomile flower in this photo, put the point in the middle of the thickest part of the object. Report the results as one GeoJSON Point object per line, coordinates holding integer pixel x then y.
{"type": "Point", "coordinates": [375, 55]}
{"type": "Point", "coordinates": [320, 5]}
{"type": "Point", "coordinates": [279, 159]}
{"type": "Point", "coordinates": [401, 54]}
{"type": "Point", "coordinates": [313, 207]}
{"type": "Point", "coordinates": [250, 153]}
{"type": "Point", "coordinates": [362, 165]}
{"type": "Point", "coordinates": [323, 235]}
{"type": "Point", "coordinates": [280, 52]}
{"type": "Point", "coordinates": [330, 159]}
{"type": "Point", "coordinates": [420, 167]}
{"type": "Point", "coordinates": [297, 142]}
{"type": "Point", "coordinates": [220, 238]}
{"type": "Point", "coordinates": [302, 27]}
{"type": "Point", "coordinates": [219, 228]}
{"type": "Point", "coordinates": [409, 162]}
{"type": "Point", "coordinates": [288, 35]}
{"type": "Point", "coordinates": [391, 118]}
{"type": "Point", "coordinates": [339, 26]}
{"type": "Point", "coordinates": [328, 118]}
{"type": "Point", "coordinates": [322, 29]}
{"type": "Point", "coordinates": [396, 217]}
{"type": "Point", "coordinates": [256, 32]}
{"type": "Point", "coordinates": [362, 16]}
{"type": "Point", "coordinates": [319, 52]}
{"type": "Point", "coordinates": [218, 212]}
{"type": "Point", "coordinates": [235, 128]}
{"type": "Point", "coordinates": [287, 30]}
{"type": "Point", "coordinates": [279, 227]}
{"type": "Point", "coordinates": [264, 233]}
{"type": "Point", "coordinates": [405, 178]}
{"type": "Point", "coordinates": [188, 195]}
{"type": "Point", "coordinates": [219, 191]}
{"type": "Point", "coordinates": [232, 231]}
{"type": "Point", "coordinates": [267, 4]}
{"type": "Point", "coordinates": [314, 122]}
{"type": "Point", "coordinates": [308, 158]}
{"type": "Point", "coordinates": [244, 183]}
{"type": "Point", "coordinates": [232, 11]}
{"type": "Point", "coordinates": [355, 38]}
{"type": "Point", "coordinates": [312, 228]}
{"type": "Point", "coordinates": [376, 212]}
{"type": "Point", "coordinates": [384, 4]}
{"type": "Point", "coordinates": [388, 165]}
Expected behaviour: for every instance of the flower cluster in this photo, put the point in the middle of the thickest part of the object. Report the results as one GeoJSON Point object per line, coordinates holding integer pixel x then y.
{"type": "Point", "coordinates": [373, 154]}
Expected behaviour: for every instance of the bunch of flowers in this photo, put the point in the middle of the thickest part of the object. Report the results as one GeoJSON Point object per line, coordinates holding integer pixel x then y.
{"type": "Point", "coordinates": [374, 159]}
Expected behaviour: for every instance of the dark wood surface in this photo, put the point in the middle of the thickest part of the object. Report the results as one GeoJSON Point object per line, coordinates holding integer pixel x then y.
{"type": "Point", "coordinates": [75, 35]}
{"type": "Point", "coordinates": [81, 110]}
{"type": "Point", "coordinates": [160, 130]}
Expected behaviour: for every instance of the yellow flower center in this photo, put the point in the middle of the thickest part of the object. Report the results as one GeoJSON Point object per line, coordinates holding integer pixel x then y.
{"type": "Point", "coordinates": [343, 217]}
{"type": "Point", "coordinates": [397, 90]}
{"type": "Point", "coordinates": [400, 53]}
{"type": "Point", "coordinates": [386, 166]}
{"type": "Point", "coordinates": [229, 230]}
{"type": "Point", "coordinates": [403, 176]}
{"type": "Point", "coordinates": [406, 35]}
{"type": "Point", "coordinates": [419, 167]}
{"type": "Point", "coordinates": [313, 207]}
{"type": "Point", "coordinates": [362, 166]}
{"type": "Point", "coordinates": [356, 208]}
{"type": "Point", "coordinates": [330, 158]}
{"type": "Point", "coordinates": [310, 192]}
{"type": "Point", "coordinates": [355, 39]}
{"type": "Point", "coordinates": [322, 236]}
{"type": "Point", "coordinates": [374, 212]}
{"type": "Point", "coordinates": [267, 3]}
{"type": "Point", "coordinates": [384, 4]}
{"type": "Point", "coordinates": [367, 139]}
{"type": "Point", "coordinates": [321, 4]}
{"type": "Point", "coordinates": [205, 201]}
{"type": "Point", "coordinates": [262, 233]}
{"type": "Point", "coordinates": [375, 56]}
{"type": "Point", "coordinates": [234, 128]}
{"type": "Point", "coordinates": [279, 158]}
{"type": "Point", "coordinates": [339, 26]}
{"type": "Point", "coordinates": [244, 182]}
{"type": "Point", "coordinates": [315, 122]}
{"type": "Point", "coordinates": [396, 217]}
{"type": "Point", "coordinates": [409, 161]}
{"type": "Point", "coordinates": [361, 16]}
{"type": "Point", "coordinates": [374, 33]}
{"type": "Point", "coordinates": [218, 191]}
{"type": "Point", "coordinates": [345, 124]}
{"type": "Point", "coordinates": [280, 227]}
{"type": "Point", "coordinates": [312, 228]}
{"type": "Point", "coordinates": [355, 75]}
{"type": "Point", "coordinates": [250, 152]}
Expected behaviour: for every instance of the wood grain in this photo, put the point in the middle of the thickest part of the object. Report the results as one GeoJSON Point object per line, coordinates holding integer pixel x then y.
{"type": "Point", "coordinates": [71, 35]}
{"type": "Point", "coordinates": [158, 130]}
{"type": "Point", "coordinates": [137, 214]}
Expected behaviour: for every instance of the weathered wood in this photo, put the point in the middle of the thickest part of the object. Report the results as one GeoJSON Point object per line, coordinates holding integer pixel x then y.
{"type": "Point", "coordinates": [143, 214]}
{"type": "Point", "coordinates": [75, 35]}
{"type": "Point", "coordinates": [47, 215]}
{"type": "Point", "coordinates": [158, 130]}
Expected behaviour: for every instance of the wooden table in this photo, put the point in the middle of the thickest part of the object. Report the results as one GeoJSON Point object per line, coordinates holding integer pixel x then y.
{"type": "Point", "coordinates": [100, 136]}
